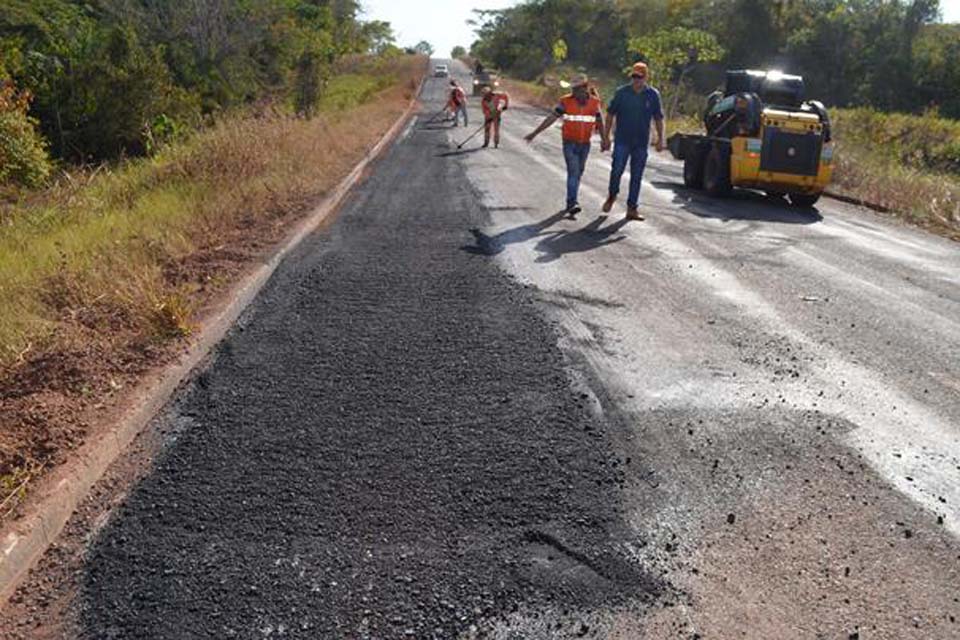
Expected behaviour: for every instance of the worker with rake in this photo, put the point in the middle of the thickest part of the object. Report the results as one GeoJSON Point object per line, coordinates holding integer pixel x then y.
{"type": "Point", "coordinates": [457, 104]}
{"type": "Point", "coordinates": [582, 115]}
{"type": "Point", "coordinates": [494, 103]}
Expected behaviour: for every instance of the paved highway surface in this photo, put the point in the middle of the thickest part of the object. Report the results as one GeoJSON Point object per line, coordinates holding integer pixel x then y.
{"type": "Point", "coordinates": [457, 413]}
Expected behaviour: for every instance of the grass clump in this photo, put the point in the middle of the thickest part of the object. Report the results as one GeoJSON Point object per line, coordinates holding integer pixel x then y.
{"type": "Point", "coordinates": [350, 90]}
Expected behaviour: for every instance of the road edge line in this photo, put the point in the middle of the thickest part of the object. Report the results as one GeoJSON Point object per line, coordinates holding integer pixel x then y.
{"type": "Point", "coordinates": [23, 542]}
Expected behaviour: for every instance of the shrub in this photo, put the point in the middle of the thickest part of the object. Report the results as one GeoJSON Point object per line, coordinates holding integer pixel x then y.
{"type": "Point", "coordinates": [23, 154]}
{"type": "Point", "coordinates": [350, 90]}
{"type": "Point", "coordinates": [924, 142]}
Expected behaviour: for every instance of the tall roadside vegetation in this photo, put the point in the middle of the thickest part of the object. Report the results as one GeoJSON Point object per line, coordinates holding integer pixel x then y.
{"type": "Point", "coordinates": [150, 150]}
{"type": "Point", "coordinates": [886, 54]}
{"type": "Point", "coordinates": [113, 78]}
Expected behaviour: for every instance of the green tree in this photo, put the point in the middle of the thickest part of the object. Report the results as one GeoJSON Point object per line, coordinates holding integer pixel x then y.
{"type": "Point", "coordinates": [378, 35]}
{"type": "Point", "coordinates": [309, 77]}
{"type": "Point", "coordinates": [873, 52]}
{"type": "Point", "coordinates": [937, 68]}
{"type": "Point", "coordinates": [120, 90]}
{"type": "Point", "coordinates": [423, 48]}
{"type": "Point", "coordinates": [112, 77]}
{"type": "Point", "coordinates": [522, 38]}
{"type": "Point", "coordinates": [560, 51]}
{"type": "Point", "coordinates": [858, 51]}
{"type": "Point", "coordinates": [675, 52]}
{"type": "Point", "coordinates": [458, 52]}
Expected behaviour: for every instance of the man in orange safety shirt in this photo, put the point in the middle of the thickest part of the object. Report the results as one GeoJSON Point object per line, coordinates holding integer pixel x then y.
{"type": "Point", "coordinates": [582, 114]}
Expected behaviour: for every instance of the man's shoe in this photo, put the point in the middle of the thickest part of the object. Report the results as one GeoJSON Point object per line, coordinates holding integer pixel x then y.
{"type": "Point", "coordinates": [634, 214]}
{"type": "Point", "coordinates": [573, 210]}
{"type": "Point", "coordinates": [608, 205]}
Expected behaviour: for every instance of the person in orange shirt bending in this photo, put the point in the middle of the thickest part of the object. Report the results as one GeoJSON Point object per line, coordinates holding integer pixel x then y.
{"type": "Point", "coordinates": [457, 103]}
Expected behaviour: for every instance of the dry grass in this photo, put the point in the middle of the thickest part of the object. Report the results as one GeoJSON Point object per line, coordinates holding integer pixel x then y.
{"type": "Point", "coordinates": [101, 273]}
{"type": "Point", "coordinates": [906, 165]}
{"type": "Point", "coordinates": [921, 198]}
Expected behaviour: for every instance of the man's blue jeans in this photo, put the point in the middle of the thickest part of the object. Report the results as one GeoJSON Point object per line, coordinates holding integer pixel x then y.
{"type": "Point", "coordinates": [462, 109]}
{"type": "Point", "coordinates": [576, 155]}
{"type": "Point", "coordinates": [637, 156]}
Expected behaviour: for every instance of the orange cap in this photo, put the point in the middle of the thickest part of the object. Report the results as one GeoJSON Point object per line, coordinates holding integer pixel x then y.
{"type": "Point", "coordinates": [639, 69]}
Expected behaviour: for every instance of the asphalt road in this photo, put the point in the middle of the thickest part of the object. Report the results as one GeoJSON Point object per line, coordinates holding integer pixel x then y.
{"type": "Point", "coordinates": [456, 413]}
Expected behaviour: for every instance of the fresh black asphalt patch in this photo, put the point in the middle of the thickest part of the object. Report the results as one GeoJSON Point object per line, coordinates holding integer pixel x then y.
{"type": "Point", "coordinates": [387, 445]}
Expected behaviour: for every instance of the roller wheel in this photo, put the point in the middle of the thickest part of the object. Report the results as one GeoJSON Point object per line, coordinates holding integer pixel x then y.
{"type": "Point", "coordinates": [716, 172]}
{"type": "Point", "coordinates": [693, 170]}
{"type": "Point", "coordinates": [804, 200]}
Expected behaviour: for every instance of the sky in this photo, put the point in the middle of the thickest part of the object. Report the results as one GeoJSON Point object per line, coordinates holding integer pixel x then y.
{"type": "Point", "coordinates": [442, 23]}
{"type": "Point", "coordinates": [951, 10]}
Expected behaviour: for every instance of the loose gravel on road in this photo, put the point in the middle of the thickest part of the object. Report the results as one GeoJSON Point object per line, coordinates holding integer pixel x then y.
{"type": "Point", "coordinates": [388, 445]}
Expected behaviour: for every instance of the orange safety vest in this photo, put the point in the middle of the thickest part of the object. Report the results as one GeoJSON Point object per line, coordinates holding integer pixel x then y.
{"type": "Point", "coordinates": [579, 120]}
{"type": "Point", "coordinates": [492, 104]}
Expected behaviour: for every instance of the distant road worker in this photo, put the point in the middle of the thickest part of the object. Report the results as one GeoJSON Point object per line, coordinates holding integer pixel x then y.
{"type": "Point", "coordinates": [457, 104]}
{"type": "Point", "coordinates": [494, 103]}
{"type": "Point", "coordinates": [632, 109]}
{"type": "Point", "coordinates": [582, 115]}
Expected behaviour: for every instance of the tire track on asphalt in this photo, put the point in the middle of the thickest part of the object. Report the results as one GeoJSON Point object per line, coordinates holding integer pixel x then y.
{"type": "Point", "coordinates": [913, 431]}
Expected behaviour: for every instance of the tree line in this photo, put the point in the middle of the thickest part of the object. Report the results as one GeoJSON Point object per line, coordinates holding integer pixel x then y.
{"type": "Point", "coordinates": [100, 79]}
{"type": "Point", "coordinates": [888, 54]}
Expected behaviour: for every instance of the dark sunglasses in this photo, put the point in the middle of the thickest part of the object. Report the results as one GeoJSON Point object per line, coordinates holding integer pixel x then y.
{"type": "Point", "coordinates": [638, 76]}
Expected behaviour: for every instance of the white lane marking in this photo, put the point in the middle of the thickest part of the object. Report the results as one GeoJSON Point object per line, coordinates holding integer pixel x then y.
{"type": "Point", "coordinates": [889, 250]}
{"type": "Point", "coordinates": [925, 318]}
{"type": "Point", "coordinates": [406, 132]}
{"type": "Point", "coordinates": [946, 379]}
{"type": "Point", "coordinates": [12, 541]}
{"type": "Point", "coordinates": [912, 446]}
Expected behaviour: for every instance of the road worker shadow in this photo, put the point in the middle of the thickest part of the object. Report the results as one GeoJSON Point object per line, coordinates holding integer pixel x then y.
{"type": "Point", "coordinates": [740, 205]}
{"type": "Point", "coordinates": [487, 245]}
{"type": "Point", "coordinates": [458, 152]}
{"type": "Point", "coordinates": [502, 209]}
{"type": "Point", "coordinates": [592, 236]}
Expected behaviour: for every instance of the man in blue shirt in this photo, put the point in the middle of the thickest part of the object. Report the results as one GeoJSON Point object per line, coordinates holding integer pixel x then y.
{"type": "Point", "coordinates": [633, 108]}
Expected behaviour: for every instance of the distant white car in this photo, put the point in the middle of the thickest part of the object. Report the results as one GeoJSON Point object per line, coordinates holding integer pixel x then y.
{"type": "Point", "coordinates": [441, 71]}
